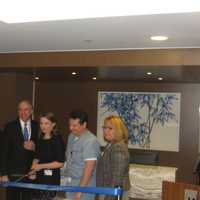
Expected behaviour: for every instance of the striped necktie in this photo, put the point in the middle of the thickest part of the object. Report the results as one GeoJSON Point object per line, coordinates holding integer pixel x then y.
{"type": "Point", "coordinates": [26, 135]}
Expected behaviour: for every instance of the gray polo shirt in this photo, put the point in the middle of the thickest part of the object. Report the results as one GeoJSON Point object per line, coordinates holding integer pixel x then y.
{"type": "Point", "coordinates": [79, 149]}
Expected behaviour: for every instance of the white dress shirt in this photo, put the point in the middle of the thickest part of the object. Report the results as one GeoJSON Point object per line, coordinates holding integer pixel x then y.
{"type": "Point", "coordinates": [28, 125]}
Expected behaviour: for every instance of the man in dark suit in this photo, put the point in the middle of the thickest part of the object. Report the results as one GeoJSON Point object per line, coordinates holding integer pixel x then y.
{"type": "Point", "coordinates": [20, 138]}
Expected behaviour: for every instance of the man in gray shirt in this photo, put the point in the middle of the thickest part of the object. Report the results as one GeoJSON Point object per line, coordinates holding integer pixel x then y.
{"type": "Point", "coordinates": [81, 156]}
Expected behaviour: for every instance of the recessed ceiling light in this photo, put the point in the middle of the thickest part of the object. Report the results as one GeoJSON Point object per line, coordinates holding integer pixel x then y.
{"type": "Point", "coordinates": [74, 73]}
{"type": "Point", "coordinates": [149, 73]}
{"type": "Point", "coordinates": [159, 38]}
{"type": "Point", "coordinates": [94, 78]}
{"type": "Point", "coordinates": [160, 78]}
{"type": "Point", "coordinates": [37, 78]}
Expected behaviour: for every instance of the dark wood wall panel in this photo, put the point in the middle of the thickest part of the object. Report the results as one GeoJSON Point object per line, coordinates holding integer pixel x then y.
{"type": "Point", "coordinates": [155, 57]}
{"type": "Point", "coordinates": [14, 87]}
{"type": "Point", "coordinates": [7, 97]}
{"type": "Point", "coordinates": [176, 191]}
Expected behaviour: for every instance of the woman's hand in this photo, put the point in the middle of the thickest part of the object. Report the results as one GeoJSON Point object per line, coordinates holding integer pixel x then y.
{"type": "Point", "coordinates": [32, 175]}
{"type": "Point", "coordinates": [4, 178]}
{"type": "Point", "coordinates": [36, 167]}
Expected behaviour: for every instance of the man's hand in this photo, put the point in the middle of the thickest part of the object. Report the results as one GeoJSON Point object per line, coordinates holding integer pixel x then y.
{"type": "Point", "coordinates": [29, 145]}
{"type": "Point", "coordinates": [4, 178]}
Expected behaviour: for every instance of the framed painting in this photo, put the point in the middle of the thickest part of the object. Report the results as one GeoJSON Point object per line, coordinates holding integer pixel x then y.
{"type": "Point", "coordinates": [152, 119]}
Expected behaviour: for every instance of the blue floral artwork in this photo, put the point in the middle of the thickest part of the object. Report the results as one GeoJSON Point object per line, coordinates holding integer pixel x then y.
{"type": "Point", "coordinates": [152, 119]}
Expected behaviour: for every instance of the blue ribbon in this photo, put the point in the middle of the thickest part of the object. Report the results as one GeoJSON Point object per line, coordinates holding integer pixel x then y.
{"type": "Point", "coordinates": [92, 190]}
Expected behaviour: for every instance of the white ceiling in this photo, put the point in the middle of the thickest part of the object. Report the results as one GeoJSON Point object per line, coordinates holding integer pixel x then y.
{"type": "Point", "coordinates": [131, 32]}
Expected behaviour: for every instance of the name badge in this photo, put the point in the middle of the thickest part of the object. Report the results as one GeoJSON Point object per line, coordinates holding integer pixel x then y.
{"type": "Point", "coordinates": [48, 172]}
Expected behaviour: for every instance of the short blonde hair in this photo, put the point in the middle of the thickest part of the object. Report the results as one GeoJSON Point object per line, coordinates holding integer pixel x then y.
{"type": "Point", "coordinates": [121, 132]}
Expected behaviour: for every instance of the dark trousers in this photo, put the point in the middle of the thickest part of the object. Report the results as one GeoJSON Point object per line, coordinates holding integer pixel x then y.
{"type": "Point", "coordinates": [18, 193]}
{"type": "Point", "coordinates": [43, 195]}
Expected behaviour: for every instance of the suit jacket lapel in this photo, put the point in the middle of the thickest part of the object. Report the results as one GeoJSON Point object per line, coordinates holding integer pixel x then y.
{"type": "Point", "coordinates": [33, 130]}
{"type": "Point", "coordinates": [19, 129]}
{"type": "Point", "coordinates": [107, 148]}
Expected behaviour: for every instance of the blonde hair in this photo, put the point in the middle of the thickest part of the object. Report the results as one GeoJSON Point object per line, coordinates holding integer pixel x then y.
{"type": "Point", "coordinates": [121, 132]}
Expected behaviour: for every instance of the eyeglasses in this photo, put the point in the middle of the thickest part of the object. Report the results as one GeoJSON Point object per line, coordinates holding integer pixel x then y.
{"type": "Point", "coordinates": [107, 127]}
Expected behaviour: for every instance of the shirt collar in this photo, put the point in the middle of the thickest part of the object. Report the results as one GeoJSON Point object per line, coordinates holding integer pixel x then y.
{"type": "Point", "coordinates": [28, 123]}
